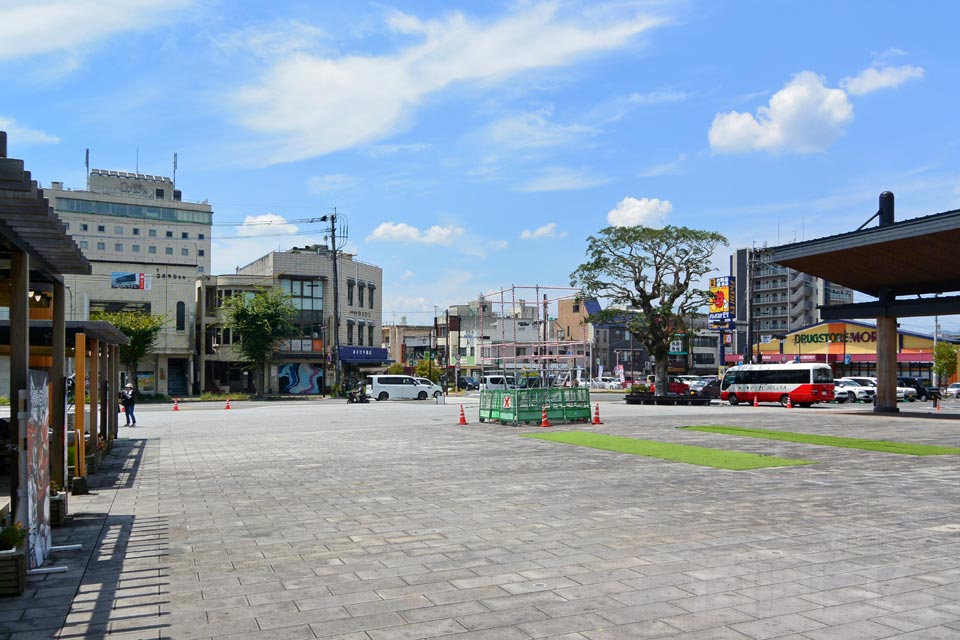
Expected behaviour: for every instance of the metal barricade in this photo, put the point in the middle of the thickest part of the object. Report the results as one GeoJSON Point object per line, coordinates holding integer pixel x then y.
{"type": "Point", "coordinates": [514, 406]}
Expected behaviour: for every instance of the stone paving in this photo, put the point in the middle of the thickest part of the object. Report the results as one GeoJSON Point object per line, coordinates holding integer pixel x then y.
{"type": "Point", "coordinates": [390, 522]}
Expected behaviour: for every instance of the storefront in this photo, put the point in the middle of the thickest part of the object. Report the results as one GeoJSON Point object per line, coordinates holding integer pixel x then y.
{"type": "Point", "coordinates": [357, 362]}
{"type": "Point", "coordinates": [850, 347]}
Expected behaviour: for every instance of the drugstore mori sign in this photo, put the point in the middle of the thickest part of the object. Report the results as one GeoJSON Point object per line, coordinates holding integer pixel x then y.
{"type": "Point", "coordinates": [827, 337]}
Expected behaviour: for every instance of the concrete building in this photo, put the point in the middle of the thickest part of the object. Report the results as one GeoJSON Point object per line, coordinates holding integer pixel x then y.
{"type": "Point", "coordinates": [781, 300]}
{"type": "Point", "coordinates": [305, 364]}
{"type": "Point", "coordinates": [148, 248]}
{"type": "Point", "coordinates": [407, 344]}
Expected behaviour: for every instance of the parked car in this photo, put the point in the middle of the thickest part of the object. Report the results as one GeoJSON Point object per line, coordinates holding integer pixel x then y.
{"type": "Point", "coordinates": [953, 391]}
{"type": "Point", "coordinates": [605, 382]}
{"type": "Point", "coordinates": [675, 385]}
{"type": "Point", "coordinates": [388, 387]}
{"type": "Point", "coordinates": [852, 391]}
{"type": "Point", "coordinates": [903, 393]}
{"type": "Point", "coordinates": [924, 389]}
{"type": "Point", "coordinates": [490, 383]}
{"type": "Point", "coordinates": [709, 389]}
{"type": "Point", "coordinates": [467, 383]}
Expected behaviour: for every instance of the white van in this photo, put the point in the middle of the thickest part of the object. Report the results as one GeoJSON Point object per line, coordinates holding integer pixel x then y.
{"type": "Point", "coordinates": [387, 387]}
{"type": "Point", "coordinates": [490, 383]}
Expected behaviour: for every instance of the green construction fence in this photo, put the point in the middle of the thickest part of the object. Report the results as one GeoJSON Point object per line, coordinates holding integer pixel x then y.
{"type": "Point", "coordinates": [514, 406]}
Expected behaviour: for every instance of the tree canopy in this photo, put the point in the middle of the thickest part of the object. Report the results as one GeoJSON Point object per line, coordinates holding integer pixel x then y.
{"type": "Point", "coordinates": [648, 278]}
{"type": "Point", "coordinates": [261, 321]}
{"type": "Point", "coordinates": [142, 329]}
{"type": "Point", "coordinates": [944, 362]}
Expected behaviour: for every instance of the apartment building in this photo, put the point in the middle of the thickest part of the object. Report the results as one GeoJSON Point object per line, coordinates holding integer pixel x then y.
{"type": "Point", "coordinates": [148, 248]}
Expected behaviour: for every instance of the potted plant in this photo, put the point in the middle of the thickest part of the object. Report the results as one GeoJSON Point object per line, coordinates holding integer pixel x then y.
{"type": "Point", "coordinates": [13, 561]}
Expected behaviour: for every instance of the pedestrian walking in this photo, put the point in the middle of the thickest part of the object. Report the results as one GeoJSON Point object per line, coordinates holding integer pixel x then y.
{"type": "Point", "coordinates": [128, 400]}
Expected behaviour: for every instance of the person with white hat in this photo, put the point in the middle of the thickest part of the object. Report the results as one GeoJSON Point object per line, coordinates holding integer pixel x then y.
{"type": "Point", "coordinates": [128, 400]}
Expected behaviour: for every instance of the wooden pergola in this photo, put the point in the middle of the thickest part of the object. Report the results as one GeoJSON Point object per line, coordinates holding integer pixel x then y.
{"type": "Point", "coordinates": [35, 254]}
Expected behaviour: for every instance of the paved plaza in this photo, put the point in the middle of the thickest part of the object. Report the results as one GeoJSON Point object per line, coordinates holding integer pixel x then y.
{"type": "Point", "coordinates": [388, 521]}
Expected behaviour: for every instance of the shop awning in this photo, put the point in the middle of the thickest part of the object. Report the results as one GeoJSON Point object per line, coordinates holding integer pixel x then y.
{"type": "Point", "coordinates": [365, 355]}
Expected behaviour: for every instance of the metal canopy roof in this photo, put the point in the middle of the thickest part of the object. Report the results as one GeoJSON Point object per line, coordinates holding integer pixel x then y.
{"type": "Point", "coordinates": [41, 332]}
{"type": "Point", "coordinates": [28, 223]}
{"type": "Point", "coordinates": [911, 257]}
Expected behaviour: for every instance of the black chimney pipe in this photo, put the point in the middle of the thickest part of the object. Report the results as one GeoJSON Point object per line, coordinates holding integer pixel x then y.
{"type": "Point", "coordinates": [886, 208]}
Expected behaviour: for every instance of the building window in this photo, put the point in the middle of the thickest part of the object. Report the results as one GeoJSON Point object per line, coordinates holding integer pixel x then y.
{"type": "Point", "coordinates": [703, 358]}
{"type": "Point", "coordinates": [101, 228]}
{"type": "Point", "coordinates": [184, 236]}
{"type": "Point", "coordinates": [151, 249]}
{"type": "Point", "coordinates": [135, 248]}
{"type": "Point", "coordinates": [159, 193]}
{"type": "Point", "coordinates": [360, 335]}
{"type": "Point", "coordinates": [83, 244]}
{"type": "Point", "coordinates": [184, 251]}
{"type": "Point", "coordinates": [370, 296]}
{"type": "Point", "coordinates": [152, 233]}
{"type": "Point", "coordinates": [84, 227]}
{"type": "Point", "coordinates": [306, 295]}
{"type": "Point", "coordinates": [118, 231]}
{"type": "Point", "coordinates": [350, 293]}
{"type": "Point", "coordinates": [101, 246]}
{"type": "Point", "coordinates": [200, 236]}
{"type": "Point", "coordinates": [201, 252]}
{"type": "Point", "coordinates": [66, 225]}
{"type": "Point", "coordinates": [371, 334]}
{"type": "Point", "coordinates": [118, 247]}
{"type": "Point", "coordinates": [168, 251]}
{"type": "Point", "coordinates": [360, 289]}
{"type": "Point", "coordinates": [136, 231]}
{"type": "Point", "coordinates": [169, 234]}
{"type": "Point", "coordinates": [349, 332]}
{"type": "Point", "coordinates": [181, 316]}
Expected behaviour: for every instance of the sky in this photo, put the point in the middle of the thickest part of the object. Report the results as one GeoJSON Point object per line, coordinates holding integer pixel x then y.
{"type": "Point", "coordinates": [472, 147]}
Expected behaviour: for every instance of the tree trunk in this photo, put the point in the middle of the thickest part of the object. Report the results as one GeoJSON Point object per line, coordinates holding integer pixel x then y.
{"type": "Point", "coordinates": [662, 380]}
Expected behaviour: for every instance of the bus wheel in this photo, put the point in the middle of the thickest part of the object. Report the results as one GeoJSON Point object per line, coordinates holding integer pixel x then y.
{"type": "Point", "coordinates": [784, 399]}
{"type": "Point", "coordinates": [733, 400]}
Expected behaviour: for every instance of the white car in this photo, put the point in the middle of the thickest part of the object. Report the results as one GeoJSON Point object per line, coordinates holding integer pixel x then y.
{"type": "Point", "coordinates": [605, 382]}
{"type": "Point", "coordinates": [852, 391]}
{"type": "Point", "coordinates": [903, 393]}
{"type": "Point", "coordinates": [953, 391]}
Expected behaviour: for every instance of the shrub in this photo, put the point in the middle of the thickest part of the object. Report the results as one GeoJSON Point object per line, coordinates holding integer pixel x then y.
{"type": "Point", "coordinates": [12, 536]}
{"type": "Point", "coordinates": [639, 388]}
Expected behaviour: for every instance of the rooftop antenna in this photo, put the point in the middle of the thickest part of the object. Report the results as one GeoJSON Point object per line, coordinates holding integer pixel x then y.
{"type": "Point", "coordinates": [174, 168]}
{"type": "Point", "coordinates": [87, 163]}
{"type": "Point", "coordinates": [138, 160]}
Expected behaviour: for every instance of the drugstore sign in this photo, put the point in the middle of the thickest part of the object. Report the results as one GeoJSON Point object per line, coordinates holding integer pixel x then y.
{"type": "Point", "coordinates": [824, 338]}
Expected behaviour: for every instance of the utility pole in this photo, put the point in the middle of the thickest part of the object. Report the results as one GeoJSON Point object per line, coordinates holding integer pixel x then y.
{"type": "Point", "coordinates": [332, 218]}
{"type": "Point", "coordinates": [750, 268]}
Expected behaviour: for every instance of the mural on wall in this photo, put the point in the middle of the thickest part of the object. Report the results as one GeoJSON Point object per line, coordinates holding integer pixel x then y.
{"type": "Point", "coordinates": [37, 468]}
{"type": "Point", "coordinates": [300, 378]}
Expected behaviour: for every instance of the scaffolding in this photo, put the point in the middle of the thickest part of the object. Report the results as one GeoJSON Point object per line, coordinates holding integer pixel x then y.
{"type": "Point", "coordinates": [554, 361]}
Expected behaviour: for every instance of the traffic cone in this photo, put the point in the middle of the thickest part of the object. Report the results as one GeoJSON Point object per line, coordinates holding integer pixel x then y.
{"type": "Point", "coordinates": [789, 403]}
{"type": "Point", "coordinates": [755, 403]}
{"type": "Point", "coordinates": [463, 418]}
{"type": "Point", "coordinates": [596, 415]}
{"type": "Point", "coordinates": [544, 421]}
{"type": "Point", "coordinates": [228, 404]}
{"type": "Point", "coordinates": [122, 410]}
{"type": "Point", "coordinates": [176, 405]}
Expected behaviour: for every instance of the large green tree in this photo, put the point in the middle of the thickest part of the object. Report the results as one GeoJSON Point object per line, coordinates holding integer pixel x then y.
{"type": "Point", "coordinates": [944, 362]}
{"type": "Point", "coordinates": [261, 320]}
{"type": "Point", "coordinates": [648, 278]}
{"type": "Point", "coordinates": [142, 329]}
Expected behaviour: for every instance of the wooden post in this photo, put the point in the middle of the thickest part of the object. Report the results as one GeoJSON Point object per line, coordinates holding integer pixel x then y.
{"type": "Point", "coordinates": [106, 388]}
{"type": "Point", "coordinates": [79, 404]}
{"type": "Point", "coordinates": [58, 418]}
{"type": "Point", "coordinates": [94, 393]}
{"type": "Point", "coordinates": [115, 386]}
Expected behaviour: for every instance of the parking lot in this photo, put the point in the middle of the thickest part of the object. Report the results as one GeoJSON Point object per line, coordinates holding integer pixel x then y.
{"type": "Point", "coordinates": [389, 520]}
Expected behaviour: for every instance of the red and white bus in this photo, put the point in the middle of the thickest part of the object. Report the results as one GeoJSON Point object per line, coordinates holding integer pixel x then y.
{"type": "Point", "coordinates": [803, 384]}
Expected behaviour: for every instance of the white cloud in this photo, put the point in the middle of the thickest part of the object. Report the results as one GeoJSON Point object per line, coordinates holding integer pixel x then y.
{"type": "Point", "coordinates": [266, 224]}
{"type": "Point", "coordinates": [44, 26]}
{"type": "Point", "coordinates": [665, 169]}
{"type": "Point", "coordinates": [546, 231]}
{"type": "Point", "coordinates": [563, 179]}
{"type": "Point", "coordinates": [631, 212]}
{"type": "Point", "coordinates": [659, 96]}
{"type": "Point", "coordinates": [19, 134]}
{"type": "Point", "coordinates": [406, 275]}
{"type": "Point", "coordinates": [804, 116]}
{"type": "Point", "coordinates": [402, 232]}
{"type": "Point", "coordinates": [874, 79]}
{"type": "Point", "coordinates": [273, 42]}
{"type": "Point", "coordinates": [383, 150]}
{"type": "Point", "coordinates": [331, 182]}
{"type": "Point", "coordinates": [499, 245]}
{"type": "Point", "coordinates": [534, 130]}
{"type": "Point", "coordinates": [309, 105]}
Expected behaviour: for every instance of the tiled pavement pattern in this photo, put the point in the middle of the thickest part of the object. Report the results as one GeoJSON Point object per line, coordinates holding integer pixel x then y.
{"type": "Point", "coordinates": [389, 522]}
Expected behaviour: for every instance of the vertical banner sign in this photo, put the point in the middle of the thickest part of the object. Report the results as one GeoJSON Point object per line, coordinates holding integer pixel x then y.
{"type": "Point", "coordinates": [37, 469]}
{"type": "Point", "coordinates": [723, 306]}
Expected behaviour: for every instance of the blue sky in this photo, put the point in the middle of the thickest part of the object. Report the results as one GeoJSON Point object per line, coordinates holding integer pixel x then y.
{"type": "Point", "coordinates": [474, 149]}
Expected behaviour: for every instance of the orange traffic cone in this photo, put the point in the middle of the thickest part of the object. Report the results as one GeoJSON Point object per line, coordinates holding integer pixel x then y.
{"type": "Point", "coordinates": [789, 403]}
{"type": "Point", "coordinates": [755, 403]}
{"type": "Point", "coordinates": [122, 410]}
{"type": "Point", "coordinates": [176, 405]}
{"type": "Point", "coordinates": [227, 406]}
{"type": "Point", "coordinates": [463, 418]}
{"type": "Point", "coordinates": [544, 421]}
{"type": "Point", "coordinates": [596, 415]}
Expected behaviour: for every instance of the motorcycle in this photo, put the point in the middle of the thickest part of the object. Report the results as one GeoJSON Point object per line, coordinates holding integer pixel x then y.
{"type": "Point", "coordinates": [357, 396]}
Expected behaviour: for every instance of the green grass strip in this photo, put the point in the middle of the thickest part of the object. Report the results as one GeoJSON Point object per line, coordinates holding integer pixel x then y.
{"type": "Point", "coordinates": [702, 456]}
{"type": "Point", "coordinates": [904, 448]}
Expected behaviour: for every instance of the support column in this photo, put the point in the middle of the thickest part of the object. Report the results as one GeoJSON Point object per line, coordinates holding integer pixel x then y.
{"type": "Point", "coordinates": [94, 394]}
{"type": "Point", "coordinates": [19, 365]}
{"type": "Point", "coordinates": [886, 365]}
{"type": "Point", "coordinates": [80, 404]}
{"type": "Point", "coordinates": [115, 386]}
{"type": "Point", "coordinates": [58, 399]}
{"type": "Point", "coordinates": [106, 388]}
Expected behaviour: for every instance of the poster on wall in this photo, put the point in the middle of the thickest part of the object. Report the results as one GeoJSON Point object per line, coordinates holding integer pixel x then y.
{"type": "Point", "coordinates": [37, 469]}
{"type": "Point", "coordinates": [300, 378]}
{"type": "Point", "coordinates": [146, 382]}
